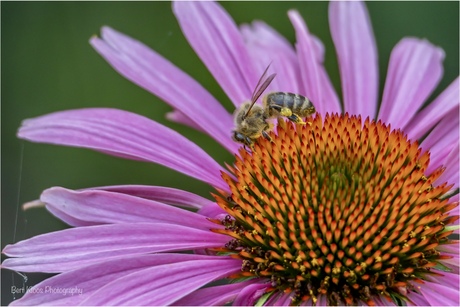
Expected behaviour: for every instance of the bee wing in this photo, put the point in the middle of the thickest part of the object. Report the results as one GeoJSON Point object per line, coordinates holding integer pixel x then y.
{"type": "Point", "coordinates": [260, 88]}
{"type": "Point", "coordinates": [258, 82]}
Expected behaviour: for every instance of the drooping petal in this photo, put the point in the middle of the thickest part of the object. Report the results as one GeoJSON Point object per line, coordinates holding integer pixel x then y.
{"type": "Point", "coordinates": [69, 219]}
{"type": "Point", "coordinates": [281, 299]}
{"type": "Point", "coordinates": [356, 49]}
{"type": "Point", "coordinates": [416, 299]}
{"type": "Point", "coordinates": [266, 46]}
{"type": "Point", "coordinates": [87, 280]}
{"type": "Point", "coordinates": [331, 100]}
{"type": "Point", "coordinates": [380, 300]}
{"type": "Point", "coordinates": [213, 296]}
{"type": "Point", "coordinates": [109, 207]}
{"type": "Point", "coordinates": [448, 101]}
{"type": "Point", "coordinates": [173, 197]}
{"type": "Point", "coordinates": [124, 134]}
{"type": "Point", "coordinates": [453, 263]}
{"type": "Point", "coordinates": [441, 140]}
{"type": "Point", "coordinates": [332, 103]}
{"type": "Point", "coordinates": [316, 83]}
{"type": "Point", "coordinates": [249, 295]}
{"type": "Point", "coordinates": [450, 249]}
{"type": "Point", "coordinates": [448, 279]}
{"type": "Point", "coordinates": [414, 70]}
{"type": "Point", "coordinates": [179, 117]}
{"type": "Point", "coordinates": [78, 247]}
{"type": "Point", "coordinates": [149, 70]}
{"type": "Point", "coordinates": [322, 300]}
{"type": "Point", "coordinates": [165, 195]}
{"type": "Point", "coordinates": [213, 211]}
{"type": "Point", "coordinates": [163, 284]}
{"type": "Point", "coordinates": [214, 36]}
{"type": "Point", "coordinates": [440, 293]}
{"type": "Point", "coordinates": [451, 174]}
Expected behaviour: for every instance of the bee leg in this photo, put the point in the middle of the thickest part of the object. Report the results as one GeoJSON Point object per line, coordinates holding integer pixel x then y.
{"type": "Point", "coordinates": [249, 143]}
{"type": "Point", "coordinates": [286, 112]}
{"type": "Point", "coordinates": [265, 135]}
{"type": "Point", "coordinates": [276, 108]}
{"type": "Point", "coordinates": [283, 111]}
{"type": "Point", "coordinates": [296, 119]}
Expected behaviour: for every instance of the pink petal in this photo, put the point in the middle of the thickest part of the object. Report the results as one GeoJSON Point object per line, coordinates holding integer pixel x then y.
{"type": "Point", "coordinates": [105, 207]}
{"type": "Point", "coordinates": [77, 247]}
{"type": "Point", "coordinates": [165, 195]}
{"type": "Point", "coordinates": [169, 196]}
{"type": "Point", "coordinates": [213, 211]}
{"type": "Point", "coordinates": [450, 250]}
{"type": "Point", "coordinates": [414, 70]}
{"type": "Point", "coordinates": [213, 296]}
{"type": "Point", "coordinates": [354, 42]}
{"type": "Point", "coordinates": [380, 300]}
{"type": "Point", "coordinates": [266, 46]}
{"type": "Point", "coordinates": [70, 219]}
{"type": "Point", "coordinates": [250, 294]}
{"type": "Point", "coordinates": [179, 117]}
{"type": "Point", "coordinates": [441, 140]}
{"type": "Point", "coordinates": [440, 294]}
{"type": "Point", "coordinates": [416, 299]}
{"type": "Point", "coordinates": [322, 300]}
{"type": "Point", "coordinates": [149, 70]}
{"type": "Point", "coordinates": [88, 280]}
{"type": "Point", "coordinates": [282, 299]}
{"type": "Point", "coordinates": [448, 101]}
{"type": "Point", "coordinates": [454, 262]}
{"type": "Point", "coordinates": [215, 38]}
{"type": "Point", "coordinates": [451, 280]}
{"type": "Point", "coordinates": [162, 285]}
{"type": "Point", "coordinates": [124, 134]}
{"type": "Point", "coordinates": [451, 174]}
{"type": "Point", "coordinates": [316, 83]}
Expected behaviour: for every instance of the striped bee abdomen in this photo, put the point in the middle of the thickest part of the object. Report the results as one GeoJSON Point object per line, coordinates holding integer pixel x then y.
{"type": "Point", "coordinates": [298, 104]}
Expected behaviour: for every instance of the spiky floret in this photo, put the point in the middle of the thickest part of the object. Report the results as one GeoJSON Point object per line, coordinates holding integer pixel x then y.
{"type": "Point", "coordinates": [337, 208]}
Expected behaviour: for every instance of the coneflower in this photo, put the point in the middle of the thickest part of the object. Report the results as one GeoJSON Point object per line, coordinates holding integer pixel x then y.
{"type": "Point", "coordinates": [340, 209]}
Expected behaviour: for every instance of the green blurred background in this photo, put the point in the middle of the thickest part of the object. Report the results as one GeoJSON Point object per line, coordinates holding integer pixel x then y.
{"type": "Point", "coordinates": [48, 65]}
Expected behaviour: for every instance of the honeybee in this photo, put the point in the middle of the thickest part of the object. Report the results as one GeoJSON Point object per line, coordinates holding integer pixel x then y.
{"type": "Point", "coordinates": [251, 120]}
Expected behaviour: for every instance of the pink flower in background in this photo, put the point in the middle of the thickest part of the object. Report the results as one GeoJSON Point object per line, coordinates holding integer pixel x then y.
{"type": "Point", "coordinates": [367, 224]}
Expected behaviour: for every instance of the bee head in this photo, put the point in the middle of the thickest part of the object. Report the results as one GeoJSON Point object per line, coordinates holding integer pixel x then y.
{"type": "Point", "coordinates": [241, 138]}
